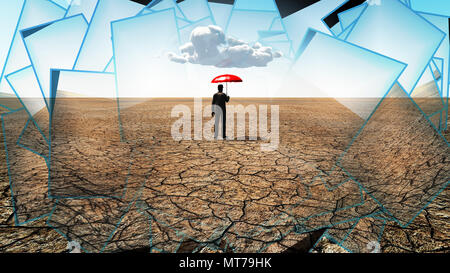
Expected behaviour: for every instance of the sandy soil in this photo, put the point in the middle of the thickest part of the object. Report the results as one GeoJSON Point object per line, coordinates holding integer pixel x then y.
{"type": "Point", "coordinates": [205, 196]}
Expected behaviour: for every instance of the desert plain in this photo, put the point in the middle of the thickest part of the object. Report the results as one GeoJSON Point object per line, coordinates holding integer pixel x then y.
{"type": "Point", "coordinates": [118, 181]}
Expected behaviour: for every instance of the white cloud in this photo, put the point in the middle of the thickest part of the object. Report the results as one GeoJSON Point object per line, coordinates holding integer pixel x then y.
{"type": "Point", "coordinates": [209, 46]}
{"type": "Point", "coordinates": [177, 59]}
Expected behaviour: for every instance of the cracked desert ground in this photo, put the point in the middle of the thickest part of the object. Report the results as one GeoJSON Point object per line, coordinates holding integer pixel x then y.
{"type": "Point", "coordinates": [151, 193]}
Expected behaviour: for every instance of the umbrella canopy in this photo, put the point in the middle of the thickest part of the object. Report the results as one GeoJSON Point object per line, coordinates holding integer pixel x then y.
{"type": "Point", "coordinates": [226, 78]}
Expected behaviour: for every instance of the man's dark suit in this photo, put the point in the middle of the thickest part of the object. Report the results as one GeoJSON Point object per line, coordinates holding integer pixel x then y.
{"type": "Point", "coordinates": [220, 100]}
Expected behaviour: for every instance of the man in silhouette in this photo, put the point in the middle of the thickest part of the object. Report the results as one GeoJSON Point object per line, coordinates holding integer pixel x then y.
{"type": "Point", "coordinates": [219, 110]}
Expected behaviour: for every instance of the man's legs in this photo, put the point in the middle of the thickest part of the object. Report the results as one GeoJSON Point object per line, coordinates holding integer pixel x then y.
{"type": "Point", "coordinates": [224, 123]}
{"type": "Point", "coordinates": [220, 117]}
{"type": "Point", "coordinates": [216, 124]}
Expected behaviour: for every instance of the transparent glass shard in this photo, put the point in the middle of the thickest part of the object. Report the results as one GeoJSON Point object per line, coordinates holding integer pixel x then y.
{"type": "Point", "coordinates": [265, 5]}
{"type": "Point", "coordinates": [34, 13]}
{"type": "Point", "coordinates": [27, 171]}
{"type": "Point", "coordinates": [390, 28]}
{"type": "Point", "coordinates": [274, 36]}
{"type": "Point", "coordinates": [181, 19]}
{"type": "Point", "coordinates": [348, 17]}
{"type": "Point", "coordinates": [110, 67]}
{"type": "Point", "coordinates": [399, 158]}
{"type": "Point", "coordinates": [336, 29]}
{"type": "Point", "coordinates": [334, 178]}
{"type": "Point", "coordinates": [9, 102]}
{"type": "Point", "coordinates": [32, 139]}
{"type": "Point", "coordinates": [221, 13]}
{"type": "Point", "coordinates": [85, 84]}
{"type": "Point", "coordinates": [26, 88]}
{"type": "Point", "coordinates": [406, 2]}
{"type": "Point", "coordinates": [245, 25]}
{"type": "Point", "coordinates": [444, 120]}
{"type": "Point", "coordinates": [437, 67]}
{"type": "Point", "coordinates": [97, 50]}
{"type": "Point", "coordinates": [333, 17]}
{"type": "Point", "coordinates": [277, 25]}
{"type": "Point", "coordinates": [183, 22]}
{"type": "Point", "coordinates": [88, 158]}
{"type": "Point", "coordinates": [439, 64]}
{"type": "Point", "coordinates": [63, 40]}
{"type": "Point", "coordinates": [343, 35]}
{"type": "Point", "coordinates": [142, 66]}
{"type": "Point", "coordinates": [64, 3]}
{"type": "Point", "coordinates": [86, 7]}
{"type": "Point", "coordinates": [430, 74]}
{"type": "Point", "coordinates": [252, 25]}
{"type": "Point", "coordinates": [442, 57]}
{"type": "Point", "coordinates": [331, 64]}
{"type": "Point", "coordinates": [10, 12]}
{"type": "Point", "coordinates": [435, 119]}
{"type": "Point", "coordinates": [297, 24]}
{"type": "Point", "coordinates": [195, 10]}
{"type": "Point", "coordinates": [338, 233]}
{"type": "Point", "coordinates": [168, 4]}
{"type": "Point", "coordinates": [439, 7]}
{"type": "Point", "coordinates": [427, 94]}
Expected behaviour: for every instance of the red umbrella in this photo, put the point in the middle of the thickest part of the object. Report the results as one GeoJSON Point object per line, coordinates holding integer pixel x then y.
{"type": "Point", "coordinates": [226, 79]}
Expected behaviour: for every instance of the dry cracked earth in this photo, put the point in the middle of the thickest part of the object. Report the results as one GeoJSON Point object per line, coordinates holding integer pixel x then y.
{"type": "Point", "coordinates": [133, 188]}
